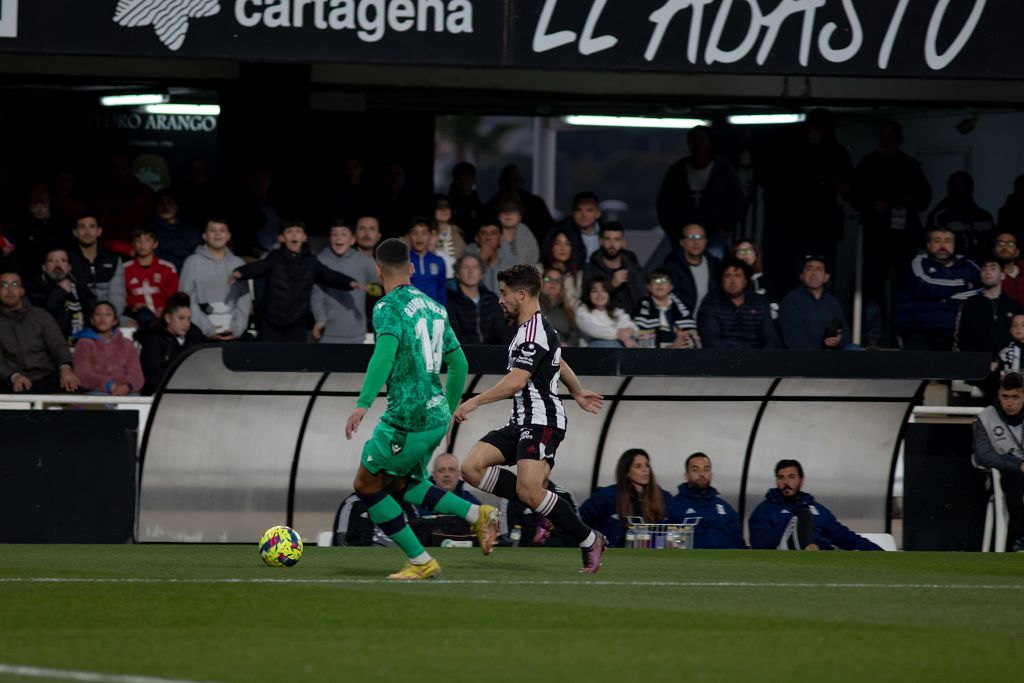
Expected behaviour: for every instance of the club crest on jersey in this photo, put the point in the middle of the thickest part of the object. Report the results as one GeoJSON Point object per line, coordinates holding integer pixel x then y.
{"type": "Point", "coordinates": [396, 448]}
{"type": "Point", "coordinates": [156, 278]}
{"type": "Point", "coordinates": [433, 269]}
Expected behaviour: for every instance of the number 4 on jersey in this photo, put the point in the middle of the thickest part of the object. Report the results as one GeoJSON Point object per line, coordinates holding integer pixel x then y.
{"type": "Point", "coordinates": [431, 343]}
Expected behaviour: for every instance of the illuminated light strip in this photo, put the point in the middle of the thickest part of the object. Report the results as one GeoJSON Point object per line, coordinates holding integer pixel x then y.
{"type": "Point", "coordinates": [184, 109]}
{"type": "Point", "coordinates": [132, 100]}
{"type": "Point", "coordinates": [766, 119]}
{"type": "Point", "coordinates": [632, 122]}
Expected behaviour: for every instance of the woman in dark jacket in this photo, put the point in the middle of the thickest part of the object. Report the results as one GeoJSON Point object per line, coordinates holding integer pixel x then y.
{"type": "Point", "coordinates": [167, 339]}
{"type": "Point", "coordinates": [635, 493]}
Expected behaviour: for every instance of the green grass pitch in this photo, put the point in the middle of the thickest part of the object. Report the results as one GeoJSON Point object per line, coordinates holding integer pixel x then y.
{"type": "Point", "coordinates": [215, 613]}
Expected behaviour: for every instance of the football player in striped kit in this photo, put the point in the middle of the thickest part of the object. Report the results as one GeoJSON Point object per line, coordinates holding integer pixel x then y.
{"type": "Point", "coordinates": [538, 421]}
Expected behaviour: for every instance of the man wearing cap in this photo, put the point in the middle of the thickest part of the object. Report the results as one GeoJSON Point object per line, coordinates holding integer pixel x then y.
{"type": "Point", "coordinates": [812, 319]}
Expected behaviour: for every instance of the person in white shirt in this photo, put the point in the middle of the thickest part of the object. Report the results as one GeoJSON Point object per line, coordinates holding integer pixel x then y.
{"type": "Point", "coordinates": [600, 326]}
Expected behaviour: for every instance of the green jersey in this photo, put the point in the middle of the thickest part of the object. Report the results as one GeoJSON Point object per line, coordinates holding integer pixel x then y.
{"type": "Point", "coordinates": [416, 400]}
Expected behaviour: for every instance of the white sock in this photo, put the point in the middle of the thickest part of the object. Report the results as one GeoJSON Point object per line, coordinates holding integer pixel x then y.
{"type": "Point", "coordinates": [589, 541]}
{"type": "Point", "coordinates": [422, 558]}
{"type": "Point", "coordinates": [474, 514]}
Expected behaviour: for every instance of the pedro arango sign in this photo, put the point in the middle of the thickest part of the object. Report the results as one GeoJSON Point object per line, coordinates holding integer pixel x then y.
{"type": "Point", "coordinates": [920, 38]}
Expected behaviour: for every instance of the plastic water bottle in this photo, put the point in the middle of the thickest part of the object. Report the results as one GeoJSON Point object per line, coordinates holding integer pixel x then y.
{"type": "Point", "coordinates": [516, 535]}
{"type": "Point", "coordinates": [630, 538]}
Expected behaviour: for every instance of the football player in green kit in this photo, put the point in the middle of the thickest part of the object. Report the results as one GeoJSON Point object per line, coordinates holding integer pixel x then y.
{"type": "Point", "coordinates": [413, 337]}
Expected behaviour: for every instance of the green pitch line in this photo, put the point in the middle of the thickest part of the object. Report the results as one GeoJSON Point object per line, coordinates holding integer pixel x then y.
{"type": "Point", "coordinates": [216, 613]}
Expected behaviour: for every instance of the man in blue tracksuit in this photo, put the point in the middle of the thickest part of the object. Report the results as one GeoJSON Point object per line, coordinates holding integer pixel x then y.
{"type": "Point", "coordinates": [934, 286]}
{"type": "Point", "coordinates": [719, 525]}
{"type": "Point", "coordinates": [788, 517]}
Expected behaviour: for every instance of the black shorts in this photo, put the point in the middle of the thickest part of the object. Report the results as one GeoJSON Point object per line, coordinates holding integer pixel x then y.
{"type": "Point", "coordinates": [526, 442]}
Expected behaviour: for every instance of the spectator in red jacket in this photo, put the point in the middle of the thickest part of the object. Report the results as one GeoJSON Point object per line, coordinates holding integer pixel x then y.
{"type": "Point", "coordinates": [149, 280]}
{"type": "Point", "coordinates": [105, 361]}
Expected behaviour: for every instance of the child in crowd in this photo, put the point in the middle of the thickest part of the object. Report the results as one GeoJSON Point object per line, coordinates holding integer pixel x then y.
{"type": "Point", "coordinates": [220, 310]}
{"type": "Point", "coordinates": [600, 326]}
{"type": "Point", "coordinates": [148, 279]}
{"type": "Point", "coordinates": [662, 320]}
{"type": "Point", "coordinates": [291, 271]}
{"type": "Point", "coordinates": [518, 245]}
{"type": "Point", "coordinates": [166, 340]}
{"type": "Point", "coordinates": [105, 361]}
{"type": "Point", "coordinates": [451, 242]}
{"type": "Point", "coordinates": [428, 268]}
{"type": "Point", "coordinates": [1010, 357]}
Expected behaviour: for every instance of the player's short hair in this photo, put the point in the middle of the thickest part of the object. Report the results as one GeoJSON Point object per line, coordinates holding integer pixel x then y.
{"type": "Point", "coordinates": [783, 464]}
{"type": "Point", "coordinates": [694, 456]}
{"type": "Point", "coordinates": [522, 276]}
{"type": "Point", "coordinates": [392, 253]}
{"type": "Point", "coordinates": [1011, 381]}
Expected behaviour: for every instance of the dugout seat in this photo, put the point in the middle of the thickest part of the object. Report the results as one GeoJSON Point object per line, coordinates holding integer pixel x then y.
{"type": "Point", "coordinates": [883, 541]}
{"type": "Point", "coordinates": [993, 539]}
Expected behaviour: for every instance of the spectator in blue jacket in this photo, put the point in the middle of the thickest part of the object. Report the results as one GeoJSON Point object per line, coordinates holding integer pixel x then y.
{"type": "Point", "coordinates": [788, 515]}
{"type": "Point", "coordinates": [811, 318]}
{"type": "Point", "coordinates": [635, 493]}
{"type": "Point", "coordinates": [734, 316]}
{"type": "Point", "coordinates": [719, 525]}
{"type": "Point", "coordinates": [934, 287]}
{"type": "Point", "coordinates": [428, 268]}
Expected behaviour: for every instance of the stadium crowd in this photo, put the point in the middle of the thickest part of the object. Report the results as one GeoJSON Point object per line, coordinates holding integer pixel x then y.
{"type": "Point", "coordinates": [186, 266]}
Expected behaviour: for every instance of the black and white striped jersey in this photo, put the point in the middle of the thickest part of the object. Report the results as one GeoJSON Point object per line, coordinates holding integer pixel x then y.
{"type": "Point", "coordinates": [537, 350]}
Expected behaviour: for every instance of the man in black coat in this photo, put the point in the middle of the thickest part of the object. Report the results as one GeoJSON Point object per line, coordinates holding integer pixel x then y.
{"type": "Point", "coordinates": [56, 291]}
{"type": "Point", "coordinates": [619, 267]}
{"type": "Point", "coordinates": [473, 310]}
{"type": "Point", "coordinates": [694, 272]}
{"type": "Point", "coordinates": [735, 317]}
{"type": "Point", "coordinates": [291, 271]}
{"type": "Point", "coordinates": [983, 323]}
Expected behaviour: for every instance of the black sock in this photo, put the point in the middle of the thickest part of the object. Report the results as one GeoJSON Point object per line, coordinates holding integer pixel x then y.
{"type": "Point", "coordinates": [500, 482]}
{"type": "Point", "coordinates": [561, 514]}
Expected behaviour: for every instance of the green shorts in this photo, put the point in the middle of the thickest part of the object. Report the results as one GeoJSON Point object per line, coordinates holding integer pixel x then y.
{"type": "Point", "coordinates": [401, 453]}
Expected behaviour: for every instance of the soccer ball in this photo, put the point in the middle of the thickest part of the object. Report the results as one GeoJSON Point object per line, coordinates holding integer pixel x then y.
{"type": "Point", "coordinates": [280, 547]}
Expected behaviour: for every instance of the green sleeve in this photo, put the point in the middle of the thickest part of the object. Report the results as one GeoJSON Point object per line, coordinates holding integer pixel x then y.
{"type": "Point", "coordinates": [379, 369]}
{"type": "Point", "coordinates": [458, 368]}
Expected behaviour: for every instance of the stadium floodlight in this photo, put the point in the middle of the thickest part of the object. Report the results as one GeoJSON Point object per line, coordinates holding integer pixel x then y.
{"type": "Point", "coordinates": [766, 119]}
{"type": "Point", "coordinates": [133, 100]}
{"type": "Point", "coordinates": [184, 109]}
{"type": "Point", "coordinates": [631, 121]}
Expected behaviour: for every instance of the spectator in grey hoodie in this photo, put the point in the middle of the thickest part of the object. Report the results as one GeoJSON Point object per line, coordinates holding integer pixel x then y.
{"type": "Point", "coordinates": [341, 313]}
{"type": "Point", "coordinates": [219, 310]}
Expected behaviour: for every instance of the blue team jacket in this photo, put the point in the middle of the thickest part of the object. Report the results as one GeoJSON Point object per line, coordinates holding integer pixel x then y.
{"type": "Point", "coordinates": [931, 294]}
{"type": "Point", "coordinates": [768, 522]}
{"type": "Point", "coordinates": [600, 512]}
{"type": "Point", "coordinates": [719, 525]}
{"type": "Point", "coordinates": [428, 275]}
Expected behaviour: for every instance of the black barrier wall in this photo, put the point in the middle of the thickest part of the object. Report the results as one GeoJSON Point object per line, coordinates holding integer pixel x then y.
{"type": "Point", "coordinates": [68, 476]}
{"type": "Point", "coordinates": [242, 437]}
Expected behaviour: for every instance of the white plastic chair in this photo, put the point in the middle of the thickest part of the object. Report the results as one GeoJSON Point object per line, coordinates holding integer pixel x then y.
{"type": "Point", "coordinates": [883, 541]}
{"type": "Point", "coordinates": [996, 515]}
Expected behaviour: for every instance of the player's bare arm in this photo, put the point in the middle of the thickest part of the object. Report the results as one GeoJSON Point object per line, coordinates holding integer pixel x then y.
{"type": "Point", "coordinates": [354, 420]}
{"type": "Point", "coordinates": [507, 387]}
{"type": "Point", "coordinates": [588, 400]}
